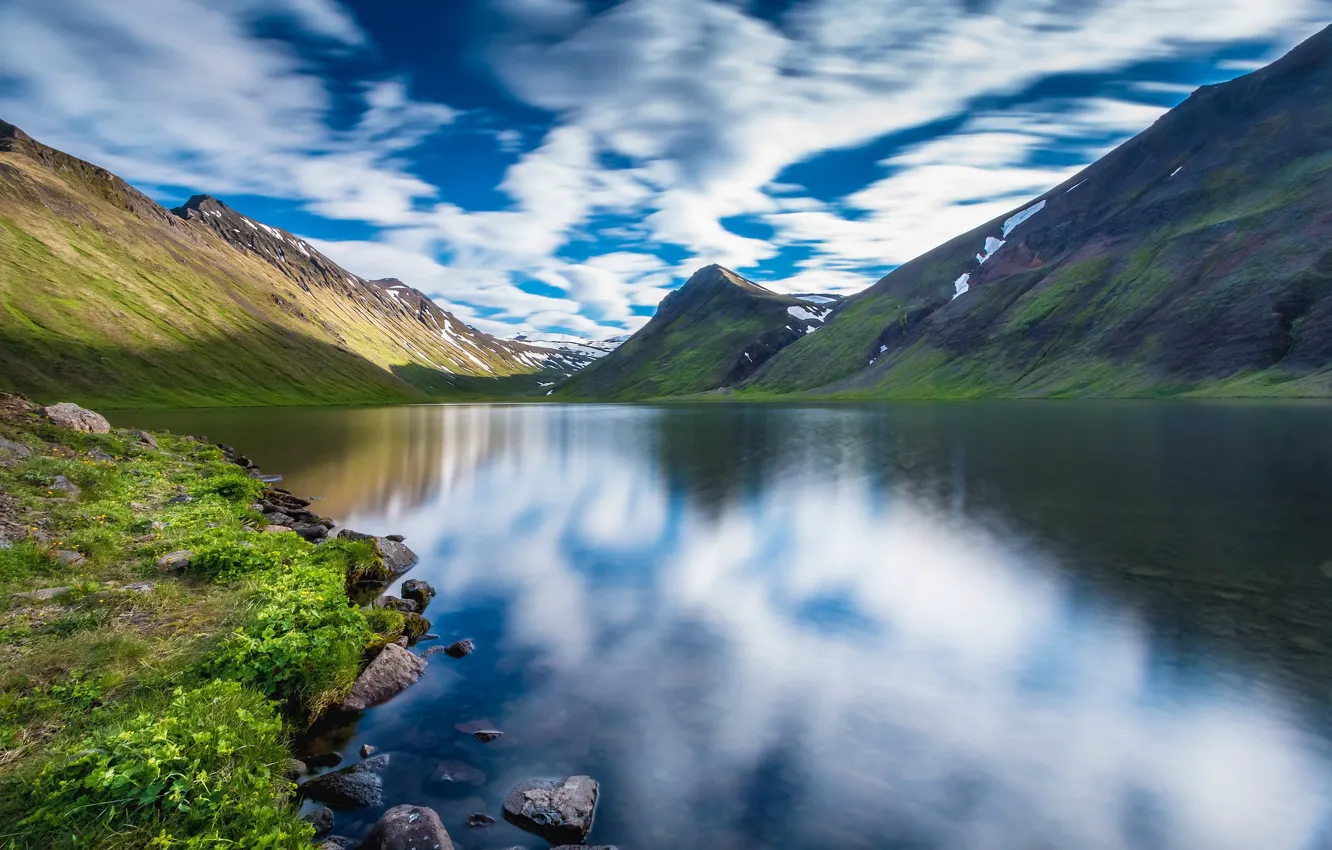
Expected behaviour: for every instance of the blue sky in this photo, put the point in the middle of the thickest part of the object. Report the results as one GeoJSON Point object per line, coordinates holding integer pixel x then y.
{"type": "Point", "coordinates": [559, 165]}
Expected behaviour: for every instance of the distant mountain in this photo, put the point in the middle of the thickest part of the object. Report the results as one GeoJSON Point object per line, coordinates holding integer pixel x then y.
{"type": "Point", "coordinates": [715, 331]}
{"type": "Point", "coordinates": [109, 297]}
{"type": "Point", "coordinates": [1196, 257]}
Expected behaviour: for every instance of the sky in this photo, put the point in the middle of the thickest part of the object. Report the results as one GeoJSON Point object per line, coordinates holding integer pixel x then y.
{"type": "Point", "coordinates": [558, 166]}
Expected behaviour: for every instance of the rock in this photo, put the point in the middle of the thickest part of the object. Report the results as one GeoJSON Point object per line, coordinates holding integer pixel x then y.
{"type": "Point", "coordinates": [397, 557]}
{"type": "Point", "coordinates": [295, 769]}
{"type": "Point", "coordinates": [157, 526]}
{"type": "Point", "coordinates": [407, 828]}
{"type": "Point", "coordinates": [12, 449]}
{"type": "Point", "coordinates": [429, 636]}
{"type": "Point", "coordinates": [145, 538]}
{"type": "Point", "coordinates": [69, 557]}
{"type": "Point", "coordinates": [356, 787]}
{"type": "Point", "coordinates": [586, 847]}
{"type": "Point", "coordinates": [41, 595]}
{"type": "Point", "coordinates": [460, 648]}
{"type": "Point", "coordinates": [146, 438]}
{"type": "Point", "coordinates": [275, 529]}
{"type": "Point", "coordinates": [321, 819]}
{"type": "Point", "coordinates": [418, 591]}
{"type": "Point", "coordinates": [477, 819]}
{"type": "Point", "coordinates": [337, 842]}
{"type": "Point", "coordinates": [459, 773]}
{"type": "Point", "coordinates": [279, 518]}
{"type": "Point", "coordinates": [559, 810]}
{"type": "Point", "coordinates": [329, 759]}
{"type": "Point", "coordinates": [68, 415]}
{"type": "Point", "coordinates": [174, 561]}
{"type": "Point", "coordinates": [182, 499]}
{"type": "Point", "coordinates": [392, 670]}
{"type": "Point", "coordinates": [413, 626]}
{"type": "Point", "coordinates": [396, 538]}
{"type": "Point", "coordinates": [98, 454]}
{"type": "Point", "coordinates": [139, 507]}
{"type": "Point", "coordinates": [138, 587]}
{"type": "Point", "coordinates": [403, 642]}
{"type": "Point", "coordinates": [393, 603]}
{"type": "Point", "coordinates": [311, 532]}
{"type": "Point", "coordinates": [65, 486]}
{"type": "Point", "coordinates": [367, 750]}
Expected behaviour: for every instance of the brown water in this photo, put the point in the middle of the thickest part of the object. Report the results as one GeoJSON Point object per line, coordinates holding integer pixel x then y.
{"type": "Point", "coordinates": [983, 626]}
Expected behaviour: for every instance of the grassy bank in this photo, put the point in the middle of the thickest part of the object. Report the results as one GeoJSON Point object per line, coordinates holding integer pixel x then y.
{"type": "Point", "coordinates": [143, 707]}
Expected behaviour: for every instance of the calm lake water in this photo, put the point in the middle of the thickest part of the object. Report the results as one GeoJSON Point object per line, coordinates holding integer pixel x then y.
{"type": "Point", "coordinates": [966, 627]}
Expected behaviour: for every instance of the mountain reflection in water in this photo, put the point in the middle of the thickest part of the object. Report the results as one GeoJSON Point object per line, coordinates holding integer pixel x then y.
{"type": "Point", "coordinates": [931, 626]}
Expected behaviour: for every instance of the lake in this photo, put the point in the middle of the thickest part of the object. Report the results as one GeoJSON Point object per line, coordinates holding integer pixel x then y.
{"type": "Point", "coordinates": [986, 626]}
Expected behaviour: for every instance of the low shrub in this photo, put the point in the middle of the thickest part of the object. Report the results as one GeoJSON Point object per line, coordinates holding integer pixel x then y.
{"type": "Point", "coordinates": [204, 772]}
{"type": "Point", "coordinates": [301, 641]}
{"type": "Point", "coordinates": [24, 559]}
{"type": "Point", "coordinates": [230, 553]}
{"type": "Point", "coordinates": [358, 560]}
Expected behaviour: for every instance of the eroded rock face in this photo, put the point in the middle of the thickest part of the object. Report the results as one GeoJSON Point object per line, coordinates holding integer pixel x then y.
{"type": "Point", "coordinates": [392, 670]}
{"type": "Point", "coordinates": [408, 828]}
{"type": "Point", "coordinates": [559, 810]}
{"type": "Point", "coordinates": [356, 787]}
{"type": "Point", "coordinates": [69, 415]}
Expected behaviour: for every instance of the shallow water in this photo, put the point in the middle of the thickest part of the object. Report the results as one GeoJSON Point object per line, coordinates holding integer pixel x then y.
{"type": "Point", "coordinates": [984, 626]}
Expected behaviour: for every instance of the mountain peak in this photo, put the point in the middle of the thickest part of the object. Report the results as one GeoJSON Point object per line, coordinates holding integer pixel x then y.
{"type": "Point", "coordinates": [9, 131]}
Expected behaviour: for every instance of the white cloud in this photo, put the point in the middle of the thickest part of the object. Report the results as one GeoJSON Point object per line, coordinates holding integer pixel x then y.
{"type": "Point", "coordinates": [699, 104]}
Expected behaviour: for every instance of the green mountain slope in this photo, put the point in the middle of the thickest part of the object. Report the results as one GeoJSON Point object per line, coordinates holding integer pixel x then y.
{"type": "Point", "coordinates": [107, 298]}
{"type": "Point", "coordinates": [1195, 258]}
{"type": "Point", "coordinates": [715, 331]}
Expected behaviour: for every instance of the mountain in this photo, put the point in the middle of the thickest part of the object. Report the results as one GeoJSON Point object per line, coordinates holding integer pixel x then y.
{"type": "Point", "coordinates": [109, 297]}
{"type": "Point", "coordinates": [715, 331]}
{"type": "Point", "coordinates": [1194, 258]}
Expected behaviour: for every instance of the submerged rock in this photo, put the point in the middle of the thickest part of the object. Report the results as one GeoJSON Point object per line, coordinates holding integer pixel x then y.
{"type": "Point", "coordinates": [392, 670]}
{"type": "Point", "coordinates": [458, 773]}
{"type": "Point", "coordinates": [408, 828]}
{"type": "Point", "coordinates": [356, 787]}
{"type": "Point", "coordinates": [69, 415]}
{"type": "Point", "coordinates": [559, 810]}
{"type": "Point", "coordinates": [479, 819]}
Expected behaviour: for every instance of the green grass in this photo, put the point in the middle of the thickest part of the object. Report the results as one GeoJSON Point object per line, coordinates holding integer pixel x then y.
{"type": "Point", "coordinates": [105, 693]}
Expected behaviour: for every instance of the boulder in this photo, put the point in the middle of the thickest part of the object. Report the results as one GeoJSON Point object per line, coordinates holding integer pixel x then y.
{"type": "Point", "coordinates": [321, 819]}
{"type": "Point", "coordinates": [418, 591]}
{"type": "Point", "coordinates": [367, 750]}
{"type": "Point", "coordinates": [337, 842]}
{"type": "Point", "coordinates": [396, 538]}
{"type": "Point", "coordinates": [275, 529]}
{"type": "Point", "coordinates": [279, 518]}
{"type": "Point", "coordinates": [310, 531]}
{"type": "Point", "coordinates": [146, 438]}
{"type": "Point", "coordinates": [407, 828]}
{"type": "Point", "coordinates": [182, 499]}
{"type": "Point", "coordinates": [295, 769]}
{"type": "Point", "coordinates": [414, 626]}
{"type": "Point", "coordinates": [397, 557]}
{"type": "Point", "coordinates": [559, 810]}
{"type": "Point", "coordinates": [99, 455]}
{"type": "Point", "coordinates": [174, 561]}
{"type": "Point", "coordinates": [69, 557]}
{"type": "Point", "coordinates": [392, 670]}
{"type": "Point", "coordinates": [64, 485]}
{"type": "Point", "coordinates": [357, 787]}
{"type": "Point", "coordinates": [68, 415]}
